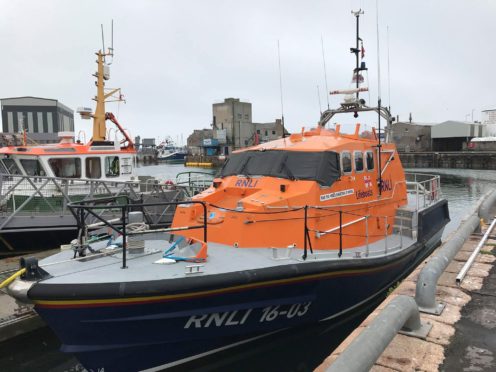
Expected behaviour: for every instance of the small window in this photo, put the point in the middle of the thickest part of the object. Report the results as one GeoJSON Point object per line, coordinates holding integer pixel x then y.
{"type": "Point", "coordinates": [239, 116]}
{"type": "Point", "coordinates": [93, 168]}
{"type": "Point", "coordinates": [11, 166]}
{"type": "Point", "coordinates": [66, 167]}
{"type": "Point", "coordinates": [266, 133]}
{"type": "Point", "coordinates": [273, 132]}
{"type": "Point", "coordinates": [258, 131]}
{"type": "Point", "coordinates": [358, 161]}
{"type": "Point", "coordinates": [370, 160]}
{"type": "Point", "coordinates": [112, 166]}
{"type": "Point", "coordinates": [346, 162]}
{"type": "Point", "coordinates": [246, 116]}
{"type": "Point", "coordinates": [32, 167]}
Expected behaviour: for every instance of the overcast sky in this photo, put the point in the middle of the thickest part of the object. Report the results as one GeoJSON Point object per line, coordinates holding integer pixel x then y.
{"type": "Point", "coordinates": [173, 59]}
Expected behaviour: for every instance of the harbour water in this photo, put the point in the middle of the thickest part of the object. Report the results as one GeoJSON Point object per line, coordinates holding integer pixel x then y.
{"type": "Point", "coordinates": [295, 350]}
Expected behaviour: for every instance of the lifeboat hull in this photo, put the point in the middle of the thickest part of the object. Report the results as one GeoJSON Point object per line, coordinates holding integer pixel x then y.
{"type": "Point", "coordinates": [157, 324]}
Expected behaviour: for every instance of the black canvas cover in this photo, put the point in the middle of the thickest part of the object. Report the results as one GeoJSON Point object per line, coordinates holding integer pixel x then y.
{"type": "Point", "coordinates": [320, 166]}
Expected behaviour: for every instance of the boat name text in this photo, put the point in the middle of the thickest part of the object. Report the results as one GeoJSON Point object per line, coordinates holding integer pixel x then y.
{"type": "Point", "coordinates": [363, 194]}
{"type": "Point", "coordinates": [239, 317]}
{"type": "Point", "coordinates": [246, 183]}
{"type": "Point", "coordinates": [337, 194]}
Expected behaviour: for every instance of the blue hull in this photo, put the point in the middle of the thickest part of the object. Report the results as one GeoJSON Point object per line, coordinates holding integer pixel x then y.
{"type": "Point", "coordinates": [185, 323]}
{"type": "Point", "coordinates": [173, 157]}
{"type": "Point", "coordinates": [140, 336]}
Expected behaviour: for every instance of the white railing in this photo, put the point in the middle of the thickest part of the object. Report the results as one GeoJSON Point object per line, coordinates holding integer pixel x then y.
{"type": "Point", "coordinates": [426, 188]}
{"type": "Point", "coordinates": [49, 196]}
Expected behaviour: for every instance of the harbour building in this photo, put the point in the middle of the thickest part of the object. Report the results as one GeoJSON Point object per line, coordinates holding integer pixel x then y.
{"type": "Point", "coordinates": [42, 118]}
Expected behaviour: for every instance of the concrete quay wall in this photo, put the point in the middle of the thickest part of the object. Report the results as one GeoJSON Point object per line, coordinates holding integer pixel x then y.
{"type": "Point", "coordinates": [459, 159]}
{"type": "Point", "coordinates": [441, 349]}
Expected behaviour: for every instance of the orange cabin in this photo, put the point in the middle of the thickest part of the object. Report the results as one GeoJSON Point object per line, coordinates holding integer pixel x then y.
{"type": "Point", "coordinates": [266, 194]}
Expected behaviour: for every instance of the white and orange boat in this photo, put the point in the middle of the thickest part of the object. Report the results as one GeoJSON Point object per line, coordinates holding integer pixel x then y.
{"type": "Point", "coordinates": [298, 230]}
{"type": "Point", "coordinates": [38, 181]}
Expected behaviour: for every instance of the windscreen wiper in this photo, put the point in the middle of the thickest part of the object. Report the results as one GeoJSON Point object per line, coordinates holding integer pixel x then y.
{"type": "Point", "coordinates": [241, 171]}
{"type": "Point", "coordinates": [288, 171]}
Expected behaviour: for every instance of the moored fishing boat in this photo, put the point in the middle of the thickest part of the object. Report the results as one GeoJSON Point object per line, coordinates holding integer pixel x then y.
{"type": "Point", "coordinates": [298, 230]}
{"type": "Point", "coordinates": [167, 151]}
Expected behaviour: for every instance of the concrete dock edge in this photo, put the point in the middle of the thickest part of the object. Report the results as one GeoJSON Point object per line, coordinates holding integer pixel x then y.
{"type": "Point", "coordinates": [406, 353]}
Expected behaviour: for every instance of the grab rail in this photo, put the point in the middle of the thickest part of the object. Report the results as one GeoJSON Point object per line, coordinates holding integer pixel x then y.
{"type": "Point", "coordinates": [78, 211]}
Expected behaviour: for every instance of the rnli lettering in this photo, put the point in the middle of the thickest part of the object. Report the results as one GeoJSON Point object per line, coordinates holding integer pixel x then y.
{"type": "Point", "coordinates": [240, 317]}
{"type": "Point", "coordinates": [363, 194]}
{"type": "Point", "coordinates": [386, 185]}
{"type": "Point", "coordinates": [246, 183]}
{"type": "Point", "coordinates": [337, 194]}
{"type": "Point", "coordinates": [229, 318]}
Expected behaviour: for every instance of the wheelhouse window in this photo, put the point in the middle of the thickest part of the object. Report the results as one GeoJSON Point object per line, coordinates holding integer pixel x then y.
{"type": "Point", "coordinates": [11, 166]}
{"type": "Point", "coordinates": [112, 166]}
{"type": "Point", "coordinates": [370, 160]}
{"type": "Point", "coordinates": [322, 166]}
{"type": "Point", "coordinates": [93, 167]}
{"type": "Point", "coordinates": [66, 167]}
{"type": "Point", "coordinates": [358, 161]}
{"type": "Point", "coordinates": [32, 167]}
{"type": "Point", "coordinates": [346, 162]}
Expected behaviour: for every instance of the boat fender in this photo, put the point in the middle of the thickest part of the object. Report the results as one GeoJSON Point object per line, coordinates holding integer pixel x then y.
{"type": "Point", "coordinates": [33, 271]}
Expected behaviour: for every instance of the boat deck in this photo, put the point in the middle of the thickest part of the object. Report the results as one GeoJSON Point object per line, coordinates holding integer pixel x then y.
{"type": "Point", "coordinates": [221, 259]}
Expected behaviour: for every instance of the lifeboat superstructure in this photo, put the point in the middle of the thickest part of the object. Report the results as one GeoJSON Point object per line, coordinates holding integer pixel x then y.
{"type": "Point", "coordinates": [101, 158]}
{"type": "Point", "coordinates": [263, 193]}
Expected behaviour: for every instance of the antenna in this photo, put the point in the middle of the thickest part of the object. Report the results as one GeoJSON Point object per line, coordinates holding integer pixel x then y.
{"type": "Point", "coordinates": [280, 88]}
{"type": "Point", "coordinates": [378, 96]}
{"type": "Point", "coordinates": [325, 74]}
{"type": "Point", "coordinates": [389, 76]}
{"type": "Point", "coordinates": [318, 95]}
{"type": "Point", "coordinates": [103, 43]}
{"type": "Point", "coordinates": [112, 37]}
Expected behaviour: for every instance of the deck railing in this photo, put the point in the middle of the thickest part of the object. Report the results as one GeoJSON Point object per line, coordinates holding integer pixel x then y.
{"type": "Point", "coordinates": [426, 188]}
{"type": "Point", "coordinates": [386, 239]}
{"type": "Point", "coordinates": [90, 207]}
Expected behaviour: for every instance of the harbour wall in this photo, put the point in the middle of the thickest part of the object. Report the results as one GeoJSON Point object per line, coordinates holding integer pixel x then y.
{"type": "Point", "coordinates": [461, 336]}
{"type": "Point", "coordinates": [457, 159]}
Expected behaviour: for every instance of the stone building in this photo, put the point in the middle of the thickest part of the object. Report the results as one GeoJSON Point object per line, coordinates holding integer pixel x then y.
{"type": "Point", "coordinates": [233, 119]}
{"type": "Point", "coordinates": [233, 127]}
{"type": "Point", "coordinates": [411, 136]}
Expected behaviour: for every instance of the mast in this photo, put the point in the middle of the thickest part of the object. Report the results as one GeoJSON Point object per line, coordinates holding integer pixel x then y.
{"type": "Point", "coordinates": [99, 127]}
{"type": "Point", "coordinates": [359, 66]}
{"type": "Point", "coordinates": [356, 50]}
{"type": "Point", "coordinates": [102, 94]}
{"type": "Point", "coordinates": [379, 146]}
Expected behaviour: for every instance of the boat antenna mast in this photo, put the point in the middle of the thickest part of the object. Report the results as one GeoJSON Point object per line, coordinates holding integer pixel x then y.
{"type": "Point", "coordinates": [379, 145]}
{"type": "Point", "coordinates": [280, 89]}
{"type": "Point", "coordinates": [359, 52]}
{"type": "Point", "coordinates": [103, 95]}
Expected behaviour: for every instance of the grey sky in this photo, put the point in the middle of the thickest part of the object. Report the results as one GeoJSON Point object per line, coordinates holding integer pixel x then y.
{"type": "Point", "coordinates": [173, 59]}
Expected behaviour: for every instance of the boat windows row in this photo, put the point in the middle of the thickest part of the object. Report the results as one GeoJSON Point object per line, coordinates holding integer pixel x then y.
{"type": "Point", "coordinates": [70, 167]}
{"type": "Point", "coordinates": [357, 161]}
